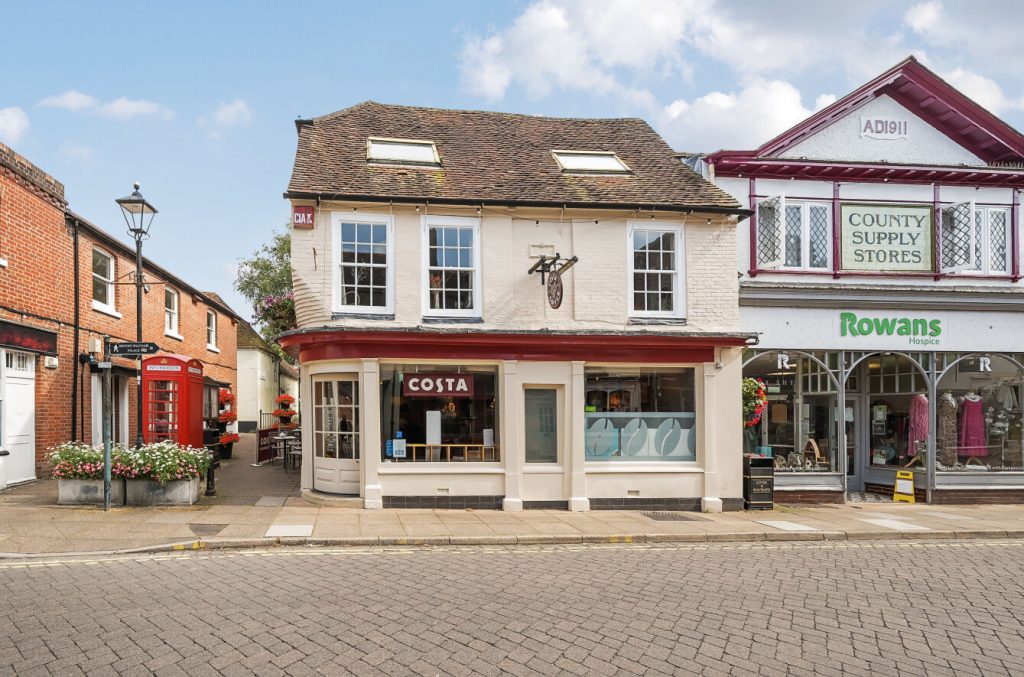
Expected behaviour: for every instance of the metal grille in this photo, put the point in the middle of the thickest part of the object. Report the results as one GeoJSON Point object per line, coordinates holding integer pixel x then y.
{"type": "Point", "coordinates": [769, 233]}
{"type": "Point", "coordinates": [956, 236]}
{"type": "Point", "coordinates": [979, 227]}
{"type": "Point", "coordinates": [997, 247]}
{"type": "Point", "coordinates": [794, 235]}
{"type": "Point", "coordinates": [667, 516]}
{"type": "Point", "coordinates": [819, 236]}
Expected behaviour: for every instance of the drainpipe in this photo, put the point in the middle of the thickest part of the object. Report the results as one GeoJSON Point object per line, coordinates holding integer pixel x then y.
{"type": "Point", "coordinates": [74, 350]}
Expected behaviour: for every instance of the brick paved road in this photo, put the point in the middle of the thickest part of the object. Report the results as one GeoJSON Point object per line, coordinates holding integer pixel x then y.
{"type": "Point", "coordinates": [884, 608]}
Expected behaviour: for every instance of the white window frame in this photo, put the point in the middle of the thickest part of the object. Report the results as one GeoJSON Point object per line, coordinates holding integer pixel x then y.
{"type": "Point", "coordinates": [173, 331]}
{"type": "Point", "coordinates": [805, 235]}
{"type": "Point", "coordinates": [679, 289]}
{"type": "Point", "coordinates": [557, 155]}
{"type": "Point", "coordinates": [99, 306]}
{"type": "Point", "coordinates": [983, 249]}
{"type": "Point", "coordinates": [428, 222]}
{"type": "Point", "coordinates": [211, 327]}
{"type": "Point", "coordinates": [362, 217]}
{"type": "Point", "coordinates": [373, 157]}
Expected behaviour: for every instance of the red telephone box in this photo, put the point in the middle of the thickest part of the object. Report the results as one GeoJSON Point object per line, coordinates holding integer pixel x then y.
{"type": "Point", "coordinates": [172, 399]}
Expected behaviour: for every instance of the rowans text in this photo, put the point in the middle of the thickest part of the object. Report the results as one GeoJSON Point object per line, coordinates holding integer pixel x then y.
{"type": "Point", "coordinates": [919, 331]}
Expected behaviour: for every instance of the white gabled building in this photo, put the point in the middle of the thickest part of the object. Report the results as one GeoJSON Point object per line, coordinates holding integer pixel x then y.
{"type": "Point", "coordinates": [882, 273]}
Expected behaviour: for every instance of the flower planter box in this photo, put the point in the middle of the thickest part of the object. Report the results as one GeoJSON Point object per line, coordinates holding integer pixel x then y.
{"type": "Point", "coordinates": [149, 492]}
{"type": "Point", "coordinates": [88, 492]}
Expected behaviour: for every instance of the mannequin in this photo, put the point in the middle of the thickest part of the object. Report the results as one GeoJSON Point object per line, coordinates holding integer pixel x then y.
{"type": "Point", "coordinates": [946, 439]}
{"type": "Point", "coordinates": [973, 442]}
{"type": "Point", "coordinates": [918, 427]}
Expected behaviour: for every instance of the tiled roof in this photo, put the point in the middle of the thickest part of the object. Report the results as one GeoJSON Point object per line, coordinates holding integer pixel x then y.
{"type": "Point", "coordinates": [248, 337]}
{"type": "Point", "coordinates": [494, 158]}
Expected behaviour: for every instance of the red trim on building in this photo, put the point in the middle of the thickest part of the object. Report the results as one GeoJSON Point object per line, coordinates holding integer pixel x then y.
{"type": "Point", "coordinates": [661, 348]}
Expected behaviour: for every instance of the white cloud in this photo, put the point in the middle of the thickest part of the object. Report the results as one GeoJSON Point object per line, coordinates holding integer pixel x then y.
{"type": "Point", "coordinates": [926, 18]}
{"type": "Point", "coordinates": [984, 91]}
{"type": "Point", "coordinates": [124, 109]}
{"type": "Point", "coordinates": [69, 100]}
{"type": "Point", "coordinates": [760, 110]}
{"type": "Point", "coordinates": [579, 45]}
{"type": "Point", "coordinates": [227, 115]}
{"type": "Point", "coordinates": [76, 153]}
{"type": "Point", "coordinates": [13, 123]}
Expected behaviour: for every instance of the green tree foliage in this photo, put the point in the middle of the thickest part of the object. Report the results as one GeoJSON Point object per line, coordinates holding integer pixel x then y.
{"type": "Point", "coordinates": [265, 279]}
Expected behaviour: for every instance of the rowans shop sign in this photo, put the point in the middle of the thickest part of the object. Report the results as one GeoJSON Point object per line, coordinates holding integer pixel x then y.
{"type": "Point", "coordinates": [884, 237]}
{"type": "Point", "coordinates": [919, 331]}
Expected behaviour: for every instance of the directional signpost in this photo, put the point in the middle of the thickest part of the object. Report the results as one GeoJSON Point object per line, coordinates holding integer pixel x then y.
{"type": "Point", "coordinates": [133, 349]}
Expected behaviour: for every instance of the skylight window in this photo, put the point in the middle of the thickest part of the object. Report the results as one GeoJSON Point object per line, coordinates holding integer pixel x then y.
{"type": "Point", "coordinates": [402, 151]}
{"type": "Point", "coordinates": [589, 162]}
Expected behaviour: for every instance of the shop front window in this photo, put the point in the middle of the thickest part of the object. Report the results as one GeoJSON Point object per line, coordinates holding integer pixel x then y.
{"type": "Point", "coordinates": [799, 429]}
{"type": "Point", "coordinates": [640, 415]}
{"type": "Point", "coordinates": [978, 416]}
{"type": "Point", "coordinates": [897, 412]}
{"type": "Point", "coordinates": [439, 413]}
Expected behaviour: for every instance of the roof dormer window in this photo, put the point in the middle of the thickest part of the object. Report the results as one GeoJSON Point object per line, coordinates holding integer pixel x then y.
{"type": "Point", "coordinates": [589, 162]}
{"type": "Point", "coordinates": [402, 152]}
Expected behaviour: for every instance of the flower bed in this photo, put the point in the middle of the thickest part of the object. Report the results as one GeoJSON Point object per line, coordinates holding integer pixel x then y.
{"type": "Point", "coordinates": [163, 473]}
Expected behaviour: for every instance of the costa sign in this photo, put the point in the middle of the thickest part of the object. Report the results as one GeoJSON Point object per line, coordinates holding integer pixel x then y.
{"type": "Point", "coordinates": [438, 385]}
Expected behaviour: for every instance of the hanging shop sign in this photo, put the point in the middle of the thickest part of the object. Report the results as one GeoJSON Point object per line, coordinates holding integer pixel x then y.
{"type": "Point", "coordinates": [883, 129]}
{"type": "Point", "coordinates": [555, 291]}
{"type": "Point", "coordinates": [886, 238]}
{"type": "Point", "coordinates": [21, 337]}
{"type": "Point", "coordinates": [437, 385]}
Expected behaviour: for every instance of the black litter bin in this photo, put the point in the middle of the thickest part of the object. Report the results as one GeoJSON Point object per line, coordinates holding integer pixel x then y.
{"type": "Point", "coordinates": [758, 483]}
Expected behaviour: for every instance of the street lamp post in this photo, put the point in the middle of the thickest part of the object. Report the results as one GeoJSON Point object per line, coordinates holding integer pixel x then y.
{"type": "Point", "coordinates": [136, 210]}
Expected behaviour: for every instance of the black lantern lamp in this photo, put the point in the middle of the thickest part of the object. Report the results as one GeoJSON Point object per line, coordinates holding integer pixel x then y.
{"type": "Point", "coordinates": [138, 214]}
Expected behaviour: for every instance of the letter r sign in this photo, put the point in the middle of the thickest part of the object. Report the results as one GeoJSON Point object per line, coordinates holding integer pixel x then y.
{"type": "Point", "coordinates": [783, 361]}
{"type": "Point", "coordinates": [984, 364]}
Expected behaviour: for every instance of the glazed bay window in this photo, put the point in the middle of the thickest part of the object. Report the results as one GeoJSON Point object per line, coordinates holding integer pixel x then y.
{"type": "Point", "coordinates": [452, 250]}
{"type": "Point", "coordinates": [171, 306]}
{"type": "Point", "coordinates": [640, 414]}
{"type": "Point", "coordinates": [795, 235]}
{"type": "Point", "coordinates": [102, 281]}
{"type": "Point", "coordinates": [656, 260]}
{"type": "Point", "coordinates": [440, 414]}
{"type": "Point", "coordinates": [364, 263]}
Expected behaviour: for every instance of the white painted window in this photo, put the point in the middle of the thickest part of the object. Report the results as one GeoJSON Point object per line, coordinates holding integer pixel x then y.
{"type": "Point", "coordinates": [171, 305]}
{"type": "Point", "coordinates": [656, 286]}
{"type": "Point", "coordinates": [794, 235]}
{"type": "Point", "coordinates": [103, 268]}
{"type": "Point", "coordinates": [364, 274]}
{"type": "Point", "coordinates": [589, 162]}
{"type": "Point", "coordinates": [402, 151]}
{"type": "Point", "coordinates": [451, 249]}
{"type": "Point", "coordinates": [992, 241]}
{"type": "Point", "coordinates": [211, 329]}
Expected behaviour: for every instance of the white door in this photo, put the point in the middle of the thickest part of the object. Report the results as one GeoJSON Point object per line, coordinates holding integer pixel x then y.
{"type": "Point", "coordinates": [336, 434]}
{"type": "Point", "coordinates": [119, 396]}
{"type": "Point", "coordinates": [19, 415]}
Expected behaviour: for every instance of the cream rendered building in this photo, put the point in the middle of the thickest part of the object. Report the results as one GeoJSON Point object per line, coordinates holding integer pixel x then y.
{"type": "Point", "coordinates": [444, 360]}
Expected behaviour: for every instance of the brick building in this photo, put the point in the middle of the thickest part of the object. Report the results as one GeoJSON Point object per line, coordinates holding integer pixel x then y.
{"type": "Point", "coordinates": [50, 256]}
{"type": "Point", "coordinates": [512, 311]}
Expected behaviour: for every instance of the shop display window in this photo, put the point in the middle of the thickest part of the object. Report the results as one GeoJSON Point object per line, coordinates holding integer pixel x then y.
{"type": "Point", "coordinates": [640, 415]}
{"type": "Point", "coordinates": [898, 412]}
{"type": "Point", "coordinates": [438, 413]}
{"type": "Point", "coordinates": [336, 418]}
{"type": "Point", "coordinates": [799, 428]}
{"type": "Point", "coordinates": [978, 416]}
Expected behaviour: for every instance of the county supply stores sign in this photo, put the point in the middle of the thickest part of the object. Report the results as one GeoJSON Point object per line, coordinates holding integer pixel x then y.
{"type": "Point", "coordinates": [890, 238]}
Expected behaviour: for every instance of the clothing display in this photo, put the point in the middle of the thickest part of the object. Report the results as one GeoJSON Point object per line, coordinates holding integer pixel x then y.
{"type": "Point", "coordinates": [1005, 397]}
{"type": "Point", "coordinates": [918, 422]}
{"type": "Point", "coordinates": [973, 441]}
{"type": "Point", "coordinates": [946, 439]}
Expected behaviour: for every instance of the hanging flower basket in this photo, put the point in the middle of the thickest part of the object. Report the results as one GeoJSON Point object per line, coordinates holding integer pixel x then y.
{"type": "Point", "coordinates": [285, 400]}
{"type": "Point", "coordinates": [229, 438]}
{"type": "Point", "coordinates": [225, 397]}
{"type": "Point", "coordinates": [755, 401]}
{"type": "Point", "coordinates": [228, 417]}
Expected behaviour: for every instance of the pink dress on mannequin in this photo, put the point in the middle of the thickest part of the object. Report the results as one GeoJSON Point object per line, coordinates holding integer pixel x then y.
{"type": "Point", "coordinates": [918, 423]}
{"type": "Point", "coordinates": [972, 428]}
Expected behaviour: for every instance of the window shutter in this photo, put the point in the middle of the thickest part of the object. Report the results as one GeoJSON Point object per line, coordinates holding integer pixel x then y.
{"type": "Point", "coordinates": [769, 232]}
{"type": "Point", "coordinates": [958, 237]}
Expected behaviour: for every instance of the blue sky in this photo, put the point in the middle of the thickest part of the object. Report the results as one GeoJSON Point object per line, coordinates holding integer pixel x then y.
{"type": "Point", "coordinates": [196, 99]}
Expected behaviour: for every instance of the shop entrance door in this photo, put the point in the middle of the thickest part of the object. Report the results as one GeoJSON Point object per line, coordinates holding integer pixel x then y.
{"type": "Point", "coordinates": [18, 415]}
{"type": "Point", "coordinates": [336, 434]}
{"type": "Point", "coordinates": [856, 441]}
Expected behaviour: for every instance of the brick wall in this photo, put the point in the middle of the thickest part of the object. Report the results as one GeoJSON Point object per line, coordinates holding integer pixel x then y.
{"type": "Point", "coordinates": [37, 289]}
